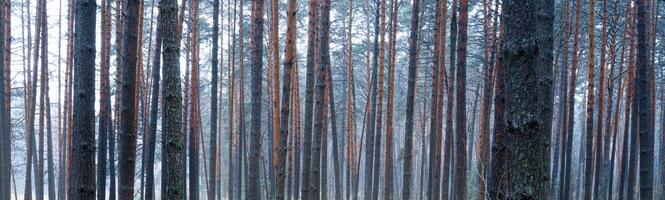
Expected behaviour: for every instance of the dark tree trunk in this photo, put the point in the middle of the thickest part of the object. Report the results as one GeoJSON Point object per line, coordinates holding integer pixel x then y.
{"type": "Point", "coordinates": [527, 58]}
{"type": "Point", "coordinates": [312, 13]}
{"type": "Point", "coordinates": [460, 110]}
{"type": "Point", "coordinates": [256, 46]}
{"type": "Point", "coordinates": [590, 95]}
{"type": "Point", "coordinates": [105, 99]}
{"type": "Point", "coordinates": [498, 178]}
{"type": "Point", "coordinates": [84, 111]}
{"type": "Point", "coordinates": [194, 113]}
{"type": "Point", "coordinates": [212, 181]}
{"type": "Point", "coordinates": [379, 102]}
{"type": "Point", "coordinates": [172, 141]}
{"type": "Point", "coordinates": [644, 111]}
{"type": "Point", "coordinates": [127, 127]}
{"type": "Point", "coordinates": [5, 133]}
{"type": "Point", "coordinates": [371, 119]}
{"type": "Point", "coordinates": [450, 88]}
{"type": "Point", "coordinates": [408, 133]}
{"type": "Point", "coordinates": [154, 108]}
{"type": "Point", "coordinates": [563, 106]}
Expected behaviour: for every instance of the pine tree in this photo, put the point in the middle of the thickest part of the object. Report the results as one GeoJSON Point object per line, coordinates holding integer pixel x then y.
{"type": "Point", "coordinates": [312, 30]}
{"type": "Point", "coordinates": [105, 99]}
{"type": "Point", "coordinates": [642, 109]}
{"type": "Point", "coordinates": [460, 111]}
{"type": "Point", "coordinates": [411, 92]}
{"type": "Point", "coordinates": [527, 56]}
{"type": "Point", "coordinates": [84, 111]}
{"type": "Point", "coordinates": [256, 46]}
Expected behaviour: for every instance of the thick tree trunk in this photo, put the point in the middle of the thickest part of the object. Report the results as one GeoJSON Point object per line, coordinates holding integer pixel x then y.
{"type": "Point", "coordinates": [172, 141]}
{"type": "Point", "coordinates": [411, 92]}
{"type": "Point", "coordinates": [256, 45]}
{"type": "Point", "coordinates": [644, 110]}
{"type": "Point", "coordinates": [84, 111]}
{"type": "Point", "coordinates": [528, 116]}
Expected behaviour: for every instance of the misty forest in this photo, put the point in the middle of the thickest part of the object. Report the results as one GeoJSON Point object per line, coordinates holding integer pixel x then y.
{"type": "Point", "coordinates": [332, 99]}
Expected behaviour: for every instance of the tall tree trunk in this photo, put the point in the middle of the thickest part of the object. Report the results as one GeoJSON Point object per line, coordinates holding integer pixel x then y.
{"type": "Point", "coordinates": [629, 178]}
{"type": "Point", "coordinates": [105, 99]}
{"type": "Point", "coordinates": [84, 129]}
{"type": "Point", "coordinates": [115, 127]}
{"type": "Point", "coordinates": [31, 102]}
{"type": "Point", "coordinates": [528, 116]}
{"type": "Point", "coordinates": [172, 141]}
{"type": "Point", "coordinates": [312, 43]}
{"type": "Point", "coordinates": [563, 107]}
{"type": "Point", "coordinates": [39, 174]}
{"type": "Point", "coordinates": [379, 101]}
{"type": "Point", "coordinates": [349, 115]}
{"type": "Point", "coordinates": [256, 46]}
{"type": "Point", "coordinates": [644, 110]}
{"type": "Point", "coordinates": [498, 165]}
{"type": "Point", "coordinates": [460, 110]}
{"type": "Point", "coordinates": [127, 129]}
{"type": "Point", "coordinates": [486, 102]}
{"type": "Point", "coordinates": [588, 170]}
{"type": "Point", "coordinates": [194, 116]}
{"type": "Point", "coordinates": [369, 152]}
{"type": "Point", "coordinates": [388, 174]}
{"type": "Point", "coordinates": [435, 101]}
{"type": "Point", "coordinates": [154, 108]}
{"type": "Point", "coordinates": [289, 61]}
{"type": "Point", "coordinates": [450, 88]}
{"type": "Point", "coordinates": [274, 55]}
{"type": "Point", "coordinates": [231, 100]}
{"type": "Point", "coordinates": [598, 168]}
{"type": "Point", "coordinates": [241, 104]}
{"type": "Point", "coordinates": [5, 131]}
{"type": "Point", "coordinates": [570, 114]}
{"type": "Point", "coordinates": [213, 102]}
{"type": "Point", "coordinates": [411, 92]}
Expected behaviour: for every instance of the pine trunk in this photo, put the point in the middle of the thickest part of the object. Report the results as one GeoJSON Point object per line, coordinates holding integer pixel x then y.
{"type": "Point", "coordinates": [84, 78]}
{"type": "Point", "coordinates": [312, 43]}
{"type": "Point", "coordinates": [411, 92]}
{"type": "Point", "coordinates": [256, 46]}
{"type": "Point", "coordinates": [289, 61]}
{"type": "Point", "coordinates": [528, 116]}
{"type": "Point", "coordinates": [388, 173]}
{"type": "Point", "coordinates": [460, 111]}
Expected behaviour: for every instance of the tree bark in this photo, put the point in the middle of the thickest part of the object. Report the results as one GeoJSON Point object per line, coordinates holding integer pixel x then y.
{"type": "Point", "coordinates": [105, 99]}
{"type": "Point", "coordinates": [312, 43]}
{"type": "Point", "coordinates": [460, 111]}
{"type": "Point", "coordinates": [289, 61]}
{"type": "Point", "coordinates": [388, 173]}
{"type": "Point", "coordinates": [411, 92]}
{"type": "Point", "coordinates": [644, 111]}
{"type": "Point", "coordinates": [257, 65]}
{"type": "Point", "coordinates": [212, 182]}
{"type": "Point", "coordinates": [588, 170]}
{"type": "Point", "coordinates": [84, 113]}
{"type": "Point", "coordinates": [154, 108]}
{"type": "Point", "coordinates": [527, 56]}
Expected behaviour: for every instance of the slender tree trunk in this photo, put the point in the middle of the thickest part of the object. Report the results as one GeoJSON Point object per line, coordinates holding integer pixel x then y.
{"type": "Point", "coordinates": [570, 115]}
{"type": "Point", "coordinates": [84, 74]}
{"type": "Point", "coordinates": [388, 174]}
{"type": "Point", "coordinates": [450, 88]}
{"type": "Point", "coordinates": [213, 102]}
{"type": "Point", "coordinates": [257, 65]}
{"type": "Point", "coordinates": [194, 116]}
{"type": "Point", "coordinates": [349, 115]}
{"type": "Point", "coordinates": [5, 131]}
{"type": "Point", "coordinates": [598, 168]}
{"type": "Point", "coordinates": [411, 92]}
{"type": "Point", "coordinates": [289, 61]}
{"type": "Point", "coordinates": [154, 107]}
{"type": "Point", "coordinates": [486, 102]}
{"type": "Point", "coordinates": [460, 115]}
{"type": "Point", "coordinates": [588, 170]}
{"type": "Point", "coordinates": [435, 101]}
{"type": "Point", "coordinates": [379, 102]}
{"type": "Point", "coordinates": [105, 99]}
{"type": "Point", "coordinates": [369, 153]}
{"type": "Point", "coordinates": [498, 165]}
{"type": "Point", "coordinates": [528, 116]}
{"type": "Point", "coordinates": [312, 42]}
{"type": "Point", "coordinates": [39, 174]}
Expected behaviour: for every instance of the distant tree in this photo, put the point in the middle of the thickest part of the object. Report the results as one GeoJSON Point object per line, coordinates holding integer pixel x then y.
{"type": "Point", "coordinates": [460, 111]}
